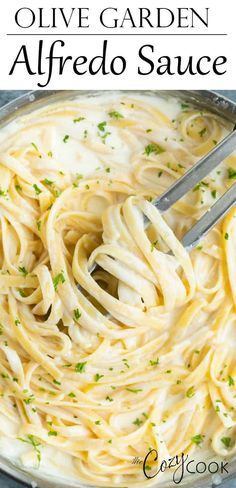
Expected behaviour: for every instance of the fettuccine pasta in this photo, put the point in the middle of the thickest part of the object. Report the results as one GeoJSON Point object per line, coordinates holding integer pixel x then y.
{"type": "Point", "coordinates": [100, 365]}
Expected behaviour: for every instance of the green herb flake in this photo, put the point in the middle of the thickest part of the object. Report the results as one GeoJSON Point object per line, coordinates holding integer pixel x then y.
{"type": "Point", "coordinates": [213, 193]}
{"type": "Point", "coordinates": [200, 185]}
{"type": "Point", "coordinates": [50, 155]}
{"type": "Point", "coordinates": [23, 270]}
{"type": "Point", "coordinates": [115, 115]}
{"type": "Point", "coordinates": [71, 395]}
{"type": "Point", "coordinates": [37, 189]}
{"type": "Point", "coordinates": [226, 441]}
{"type": "Point", "coordinates": [202, 132]}
{"type": "Point", "coordinates": [22, 293]}
{"type": "Point", "coordinates": [153, 148]}
{"type": "Point", "coordinates": [35, 146]}
{"type": "Point", "coordinates": [48, 182]}
{"type": "Point", "coordinates": [102, 126]}
{"type": "Point", "coordinates": [155, 362]}
{"type": "Point", "coordinates": [98, 422]}
{"type": "Point", "coordinates": [226, 236]}
{"type": "Point", "coordinates": [66, 138]}
{"type": "Point", "coordinates": [231, 174]}
{"type": "Point", "coordinates": [29, 400]}
{"type": "Point", "coordinates": [77, 314]}
{"type": "Point", "coordinates": [231, 381]}
{"type": "Point", "coordinates": [184, 106]}
{"type": "Point", "coordinates": [80, 367]}
{"type": "Point", "coordinates": [60, 278]}
{"type": "Point", "coordinates": [30, 439]}
{"type": "Point", "coordinates": [98, 376]}
{"type": "Point", "coordinates": [197, 439]}
{"type": "Point", "coordinates": [38, 223]}
{"type": "Point", "coordinates": [52, 433]}
{"type": "Point", "coordinates": [134, 390]}
{"type": "Point", "coordinates": [190, 392]}
{"type": "Point", "coordinates": [78, 119]}
{"type": "Point", "coordinates": [109, 399]}
{"type": "Point", "coordinates": [137, 422]}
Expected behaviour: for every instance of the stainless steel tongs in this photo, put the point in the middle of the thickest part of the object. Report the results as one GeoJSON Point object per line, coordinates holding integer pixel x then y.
{"type": "Point", "coordinates": [188, 181]}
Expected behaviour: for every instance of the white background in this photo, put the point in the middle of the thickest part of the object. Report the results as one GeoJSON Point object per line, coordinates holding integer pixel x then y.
{"type": "Point", "coordinates": [221, 20]}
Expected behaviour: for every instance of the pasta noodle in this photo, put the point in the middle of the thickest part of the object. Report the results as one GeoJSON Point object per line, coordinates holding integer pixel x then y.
{"type": "Point", "coordinates": [98, 367]}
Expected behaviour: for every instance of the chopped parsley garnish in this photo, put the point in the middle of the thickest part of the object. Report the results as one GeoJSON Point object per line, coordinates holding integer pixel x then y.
{"type": "Point", "coordinates": [77, 314]}
{"type": "Point", "coordinates": [226, 441]}
{"type": "Point", "coordinates": [38, 223]}
{"type": "Point", "coordinates": [109, 399]}
{"type": "Point", "coordinates": [66, 138]}
{"type": "Point", "coordinates": [22, 293]}
{"type": "Point", "coordinates": [197, 439]}
{"type": "Point", "coordinates": [56, 382]}
{"type": "Point", "coordinates": [160, 173]}
{"type": "Point", "coordinates": [134, 390]}
{"type": "Point", "coordinates": [108, 170]}
{"type": "Point", "coordinates": [17, 322]}
{"type": "Point", "coordinates": [50, 155]}
{"type": "Point", "coordinates": [60, 278]}
{"type": "Point", "coordinates": [199, 248]}
{"type": "Point", "coordinates": [23, 270]}
{"type": "Point", "coordinates": [102, 126]}
{"type": "Point", "coordinates": [153, 148]}
{"type": "Point", "coordinates": [200, 185]}
{"type": "Point", "coordinates": [115, 115]}
{"type": "Point", "coordinates": [35, 146]}
{"type": "Point", "coordinates": [78, 119]}
{"type": "Point", "coordinates": [226, 236]}
{"type": "Point", "coordinates": [5, 376]}
{"type": "Point", "coordinates": [98, 422]}
{"type": "Point", "coordinates": [231, 174]}
{"type": "Point", "coordinates": [148, 130]}
{"type": "Point", "coordinates": [184, 106]}
{"type": "Point", "coordinates": [18, 187]}
{"type": "Point", "coordinates": [98, 376]}
{"type": "Point", "coordinates": [231, 381]}
{"type": "Point", "coordinates": [30, 439]}
{"type": "Point", "coordinates": [52, 433]}
{"type": "Point", "coordinates": [154, 363]}
{"type": "Point", "coordinates": [190, 392]}
{"type": "Point", "coordinates": [37, 189]}
{"type": "Point", "coordinates": [72, 395]}
{"type": "Point", "coordinates": [80, 367]}
{"type": "Point", "coordinates": [48, 182]}
{"type": "Point", "coordinates": [203, 132]}
{"type": "Point", "coordinates": [29, 400]}
{"type": "Point", "coordinates": [213, 193]}
{"type": "Point", "coordinates": [137, 422]}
